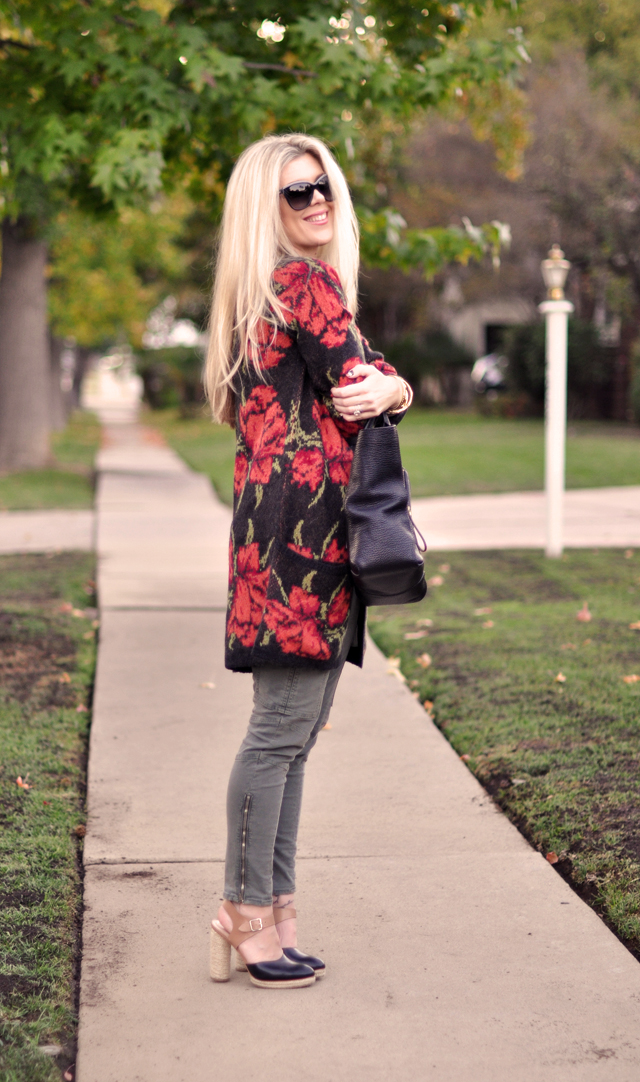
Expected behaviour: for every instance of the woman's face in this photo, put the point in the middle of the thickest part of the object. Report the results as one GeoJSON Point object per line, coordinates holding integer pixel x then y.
{"type": "Point", "coordinates": [312, 227]}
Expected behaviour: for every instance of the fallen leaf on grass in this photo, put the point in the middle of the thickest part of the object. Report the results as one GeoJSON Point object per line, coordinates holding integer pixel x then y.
{"type": "Point", "coordinates": [64, 678]}
{"type": "Point", "coordinates": [568, 646]}
{"type": "Point", "coordinates": [424, 623]}
{"type": "Point", "coordinates": [482, 612]}
{"type": "Point", "coordinates": [393, 669]}
{"type": "Point", "coordinates": [435, 580]}
{"type": "Point", "coordinates": [95, 624]}
{"type": "Point", "coordinates": [23, 784]}
{"type": "Point", "coordinates": [424, 661]}
{"type": "Point", "coordinates": [518, 781]}
{"type": "Point", "coordinates": [552, 857]}
{"type": "Point", "coordinates": [488, 623]}
{"type": "Point", "coordinates": [78, 613]}
{"type": "Point", "coordinates": [465, 758]}
{"type": "Point", "coordinates": [428, 705]}
{"type": "Point", "coordinates": [628, 554]}
{"type": "Point", "coordinates": [635, 627]}
{"type": "Point", "coordinates": [80, 830]}
{"type": "Point", "coordinates": [560, 678]}
{"type": "Point", "coordinates": [70, 1073]}
{"type": "Point", "coordinates": [208, 684]}
{"type": "Point", "coordinates": [66, 606]}
{"type": "Point", "coordinates": [81, 709]}
{"type": "Point", "coordinates": [584, 615]}
{"type": "Point", "coordinates": [445, 568]}
{"type": "Point", "coordinates": [416, 635]}
{"type": "Point", "coordinates": [89, 635]}
{"type": "Point", "coordinates": [587, 642]}
{"type": "Point", "coordinates": [633, 679]}
{"type": "Point", "coordinates": [413, 683]}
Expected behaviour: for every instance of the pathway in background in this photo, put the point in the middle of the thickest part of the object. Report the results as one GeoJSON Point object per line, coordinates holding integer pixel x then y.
{"type": "Point", "coordinates": [455, 952]}
{"type": "Point", "coordinates": [46, 531]}
{"type": "Point", "coordinates": [593, 518]}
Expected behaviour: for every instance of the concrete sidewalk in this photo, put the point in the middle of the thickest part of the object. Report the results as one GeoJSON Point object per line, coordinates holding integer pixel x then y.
{"type": "Point", "coordinates": [454, 951]}
{"type": "Point", "coordinates": [46, 531]}
{"type": "Point", "coordinates": [593, 518]}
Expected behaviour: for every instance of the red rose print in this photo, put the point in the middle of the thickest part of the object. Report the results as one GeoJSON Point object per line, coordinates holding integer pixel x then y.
{"type": "Point", "coordinates": [339, 608]}
{"type": "Point", "coordinates": [250, 591]}
{"type": "Point", "coordinates": [264, 427]}
{"type": "Point", "coordinates": [334, 554]}
{"type": "Point", "coordinates": [272, 348]}
{"type": "Point", "coordinates": [314, 302]}
{"type": "Point", "coordinates": [296, 627]}
{"type": "Point", "coordinates": [240, 473]}
{"type": "Point", "coordinates": [307, 467]}
{"type": "Point", "coordinates": [302, 550]}
{"type": "Point", "coordinates": [337, 452]}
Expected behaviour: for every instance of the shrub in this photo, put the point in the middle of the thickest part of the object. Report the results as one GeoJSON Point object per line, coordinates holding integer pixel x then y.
{"type": "Point", "coordinates": [172, 377]}
{"type": "Point", "coordinates": [588, 370]}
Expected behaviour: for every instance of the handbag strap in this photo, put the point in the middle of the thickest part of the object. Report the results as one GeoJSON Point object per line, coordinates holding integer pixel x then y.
{"type": "Point", "coordinates": [378, 422]}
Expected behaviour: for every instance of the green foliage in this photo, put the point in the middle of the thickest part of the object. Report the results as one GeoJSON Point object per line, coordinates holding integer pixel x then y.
{"type": "Point", "coordinates": [105, 103]}
{"type": "Point", "coordinates": [560, 758]}
{"type": "Point", "coordinates": [172, 377]}
{"type": "Point", "coordinates": [43, 740]}
{"type": "Point", "coordinates": [387, 242]}
{"type": "Point", "coordinates": [109, 273]}
{"type": "Point", "coordinates": [587, 370]}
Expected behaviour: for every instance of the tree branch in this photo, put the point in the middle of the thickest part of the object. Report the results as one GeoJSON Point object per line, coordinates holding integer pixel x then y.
{"type": "Point", "coordinates": [281, 67]}
{"type": "Point", "coordinates": [12, 41]}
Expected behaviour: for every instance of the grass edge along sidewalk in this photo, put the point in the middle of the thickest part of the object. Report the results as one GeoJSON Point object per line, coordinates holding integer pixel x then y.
{"type": "Point", "coordinates": [531, 669]}
{"type": "Point", "coordinates": [68, 482]}
{"type": "Point", "coordinates": [48, 631]}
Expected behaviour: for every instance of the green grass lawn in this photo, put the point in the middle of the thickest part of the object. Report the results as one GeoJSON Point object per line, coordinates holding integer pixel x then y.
{"type": "Point", "coordinates": [47, 659]}
{"type": "Point", "coordinates": [536, 702]}
{"type": "Point", "coordinates": [448, 453]}
{"type": "Point", "coordinates": [68, 482]}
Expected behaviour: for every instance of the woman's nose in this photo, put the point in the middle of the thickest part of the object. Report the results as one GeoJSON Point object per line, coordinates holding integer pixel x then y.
{"type": "Point", "coordinates": [318, 197]}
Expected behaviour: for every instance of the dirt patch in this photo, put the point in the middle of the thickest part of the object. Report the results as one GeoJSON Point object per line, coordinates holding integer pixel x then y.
{"type": "Point", "coordinates": [16, 985]}
{"type": "Point", "coordinates": [14, 899]}
{"type": "Point", "coordinates": [35, 661]}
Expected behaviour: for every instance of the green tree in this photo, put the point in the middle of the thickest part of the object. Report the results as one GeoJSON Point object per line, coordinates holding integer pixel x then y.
{"type": "Point", "coordinates": [104, 103]}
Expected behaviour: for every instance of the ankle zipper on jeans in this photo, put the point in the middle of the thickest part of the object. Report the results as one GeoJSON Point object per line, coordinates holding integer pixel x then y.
{"type": "Point", "coordinates": [243, 844]}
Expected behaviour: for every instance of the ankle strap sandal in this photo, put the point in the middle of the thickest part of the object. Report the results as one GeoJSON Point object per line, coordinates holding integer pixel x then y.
{"type": "Point", "coordinates": [281, 973]}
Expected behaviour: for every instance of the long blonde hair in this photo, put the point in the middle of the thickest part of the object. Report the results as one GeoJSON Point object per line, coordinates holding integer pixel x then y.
{"type": "Point", "coordinates": [252, 242]}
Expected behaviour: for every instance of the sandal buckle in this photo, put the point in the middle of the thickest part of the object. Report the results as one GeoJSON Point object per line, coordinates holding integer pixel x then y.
{"type": "Point", "coordinates": [256, 924]}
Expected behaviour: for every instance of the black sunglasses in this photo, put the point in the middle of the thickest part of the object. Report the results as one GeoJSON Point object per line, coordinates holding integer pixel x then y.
{"type": "Point", "coordinates": [300, 194]}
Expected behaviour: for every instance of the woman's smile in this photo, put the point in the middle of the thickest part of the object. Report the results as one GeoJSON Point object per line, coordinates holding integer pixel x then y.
{"type": "Point", "coordinates": [311, 228]}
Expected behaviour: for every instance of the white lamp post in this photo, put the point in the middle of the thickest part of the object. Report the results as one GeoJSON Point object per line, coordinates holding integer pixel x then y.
{"type": "Point", "coordinates": [556, 311]}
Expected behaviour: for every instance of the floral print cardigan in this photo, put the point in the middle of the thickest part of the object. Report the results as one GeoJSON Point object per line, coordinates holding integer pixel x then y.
{"type": "Point", "coordinates": [289, 581]}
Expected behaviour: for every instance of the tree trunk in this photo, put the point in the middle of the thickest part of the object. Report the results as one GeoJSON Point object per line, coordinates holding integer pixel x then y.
{"type": "Point", "coordinates": [25, 380]}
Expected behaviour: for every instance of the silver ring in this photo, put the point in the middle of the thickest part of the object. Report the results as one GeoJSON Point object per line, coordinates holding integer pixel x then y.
{"type": "Point", "coordinates": [357, 411]}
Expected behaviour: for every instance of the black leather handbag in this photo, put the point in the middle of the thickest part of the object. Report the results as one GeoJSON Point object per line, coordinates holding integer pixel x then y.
{"type": "Point", "coordinates": [386, 560]}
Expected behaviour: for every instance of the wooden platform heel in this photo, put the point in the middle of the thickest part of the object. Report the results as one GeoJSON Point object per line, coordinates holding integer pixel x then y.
{"type": "Point", "coordinates": [281, 973]}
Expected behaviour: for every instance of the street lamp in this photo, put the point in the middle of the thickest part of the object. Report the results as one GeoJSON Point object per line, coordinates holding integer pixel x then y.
{"type": "Point", "coordinates": [556, 311]}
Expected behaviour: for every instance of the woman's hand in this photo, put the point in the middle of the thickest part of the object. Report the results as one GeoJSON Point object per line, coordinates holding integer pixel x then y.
{"type": "Point", "coordinates": [369, 398]}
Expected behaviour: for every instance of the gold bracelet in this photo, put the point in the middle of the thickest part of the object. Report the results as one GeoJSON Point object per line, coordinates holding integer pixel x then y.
{"type": "Point", "coordinates": [407, 397]}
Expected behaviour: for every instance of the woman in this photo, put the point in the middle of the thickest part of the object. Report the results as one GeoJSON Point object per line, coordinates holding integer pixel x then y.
{"type": "Point", "coordinates": [288, 368]}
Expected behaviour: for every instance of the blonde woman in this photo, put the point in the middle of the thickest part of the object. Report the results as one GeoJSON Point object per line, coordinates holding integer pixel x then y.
{"type": "Point", "coordinates": [288, 368]}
